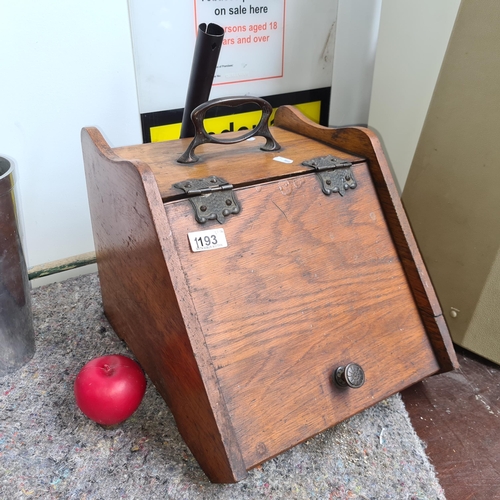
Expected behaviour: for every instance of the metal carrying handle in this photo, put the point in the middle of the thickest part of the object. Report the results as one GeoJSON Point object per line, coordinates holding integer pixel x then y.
{"type": "Point", "coordinates": [201, 136]}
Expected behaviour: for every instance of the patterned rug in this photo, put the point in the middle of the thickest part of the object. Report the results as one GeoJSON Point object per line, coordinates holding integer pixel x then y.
{"type": "Point", "coordinates": [50, 450]}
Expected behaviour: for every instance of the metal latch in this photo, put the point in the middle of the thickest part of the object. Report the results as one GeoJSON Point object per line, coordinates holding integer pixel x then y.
{"type": "Point", "coordinates": [211, 197]}
{"type": "Point", "coordinates": [334, 173]}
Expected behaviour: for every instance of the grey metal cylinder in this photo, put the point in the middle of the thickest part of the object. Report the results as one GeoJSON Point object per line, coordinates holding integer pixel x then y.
{"type": "Point", "coordinates": [17, 338]}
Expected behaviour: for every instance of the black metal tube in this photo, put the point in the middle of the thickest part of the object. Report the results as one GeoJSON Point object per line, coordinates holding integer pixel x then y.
{"type": "Point", "coordinates": [206, 55]}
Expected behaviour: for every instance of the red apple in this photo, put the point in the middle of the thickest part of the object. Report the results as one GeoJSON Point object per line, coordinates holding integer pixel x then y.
{"type": "Point", "coordinates": [110, 388]}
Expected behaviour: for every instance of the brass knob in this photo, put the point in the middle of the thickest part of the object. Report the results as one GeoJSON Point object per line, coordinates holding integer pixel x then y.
{"type": "Point", "coordinates": [351, 375]}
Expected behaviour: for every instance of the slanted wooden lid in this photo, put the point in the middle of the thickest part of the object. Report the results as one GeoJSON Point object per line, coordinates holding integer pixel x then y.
{"type": "Point", "coordinates": [240, 164]}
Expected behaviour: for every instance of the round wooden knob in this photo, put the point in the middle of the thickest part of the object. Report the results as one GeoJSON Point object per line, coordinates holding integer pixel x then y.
{"type": "Point", "coordinates": [351, 375]}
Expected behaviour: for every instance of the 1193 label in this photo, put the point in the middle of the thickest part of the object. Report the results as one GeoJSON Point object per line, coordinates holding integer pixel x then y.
{"type": "Point", "coordinates": [211, 239]}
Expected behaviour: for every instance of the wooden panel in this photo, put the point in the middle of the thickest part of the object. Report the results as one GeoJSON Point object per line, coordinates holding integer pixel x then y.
{"type": "Point", "coordinates": [129, 226]}
{"type": "Point", "coordinates": [242, 341]}
{"type": "Point", "coordinates": [458, 415]}
{"type": "Point", "coordinates": [307, 283]}
{"type": "Point", "coordinates": [366, 144]}
{"type": "Point", "coordinates": [239, 164]}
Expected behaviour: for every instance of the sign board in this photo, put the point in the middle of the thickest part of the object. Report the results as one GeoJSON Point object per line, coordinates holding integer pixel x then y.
{"type": "Point", "coordinates": [253, 45]}
{"type": "Point", "coordinates": [281, 50]}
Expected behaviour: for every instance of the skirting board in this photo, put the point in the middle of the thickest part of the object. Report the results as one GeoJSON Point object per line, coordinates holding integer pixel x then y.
{"type": "Point", "coordinates": [63, 269]}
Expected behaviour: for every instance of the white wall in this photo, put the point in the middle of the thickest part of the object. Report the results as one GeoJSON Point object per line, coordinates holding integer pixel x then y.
{"type": "Point", "coordinates": [353, 62]}
{"type": "Point", "coordinates": [64, 65]}
{"type": "Point", "coordinates": [413, 37]}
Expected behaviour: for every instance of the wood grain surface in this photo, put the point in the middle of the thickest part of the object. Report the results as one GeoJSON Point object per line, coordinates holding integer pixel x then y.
{"type": "Point", "coordinates": [307, 283]}
{"type": "Point", "coordinates": [457, 414]}
{"type": "Point", "coordinates": [130, 233]}
{"type": "Point", "coordinates": [366, 144]}
{"type": "Point", "coordinates": [240, 164]}
{"type": "Point", "coordinates": [242, 341]}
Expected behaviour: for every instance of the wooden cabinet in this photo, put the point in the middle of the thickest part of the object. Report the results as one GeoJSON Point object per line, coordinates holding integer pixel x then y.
{"type": "Point", "coordinates": [243, 340]}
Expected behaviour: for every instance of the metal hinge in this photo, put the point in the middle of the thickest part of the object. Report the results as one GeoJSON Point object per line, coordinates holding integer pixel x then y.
{"type": "Point", "coordinates": [334, 174]}
{"type": "Point", "coordinates": [211, 198]}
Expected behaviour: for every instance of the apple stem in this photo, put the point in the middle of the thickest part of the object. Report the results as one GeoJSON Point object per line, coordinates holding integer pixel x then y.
{"type": "Point", "coordinates": [108, 369]}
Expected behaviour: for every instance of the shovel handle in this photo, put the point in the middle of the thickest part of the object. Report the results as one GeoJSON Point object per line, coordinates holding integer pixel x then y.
{"type": "Point", "coordinates": [201, 136]}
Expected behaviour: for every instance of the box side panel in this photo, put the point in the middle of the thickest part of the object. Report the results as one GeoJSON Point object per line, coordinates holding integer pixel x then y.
{"type": "Point", "coordinates": [143, 308]}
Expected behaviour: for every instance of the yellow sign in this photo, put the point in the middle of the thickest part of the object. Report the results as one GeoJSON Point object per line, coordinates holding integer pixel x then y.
{"type": "Point", "coordinates": [232, 123]}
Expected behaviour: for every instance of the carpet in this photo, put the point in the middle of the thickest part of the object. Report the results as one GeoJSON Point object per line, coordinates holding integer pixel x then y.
{"type": "Point", "coordinates": [50, 450]}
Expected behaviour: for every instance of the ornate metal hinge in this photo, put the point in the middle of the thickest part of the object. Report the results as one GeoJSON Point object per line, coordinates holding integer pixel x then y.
{"type": "Point", "coordinates": [334, 174]}
{"type": "Point", "coordinates": [211, 198]}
